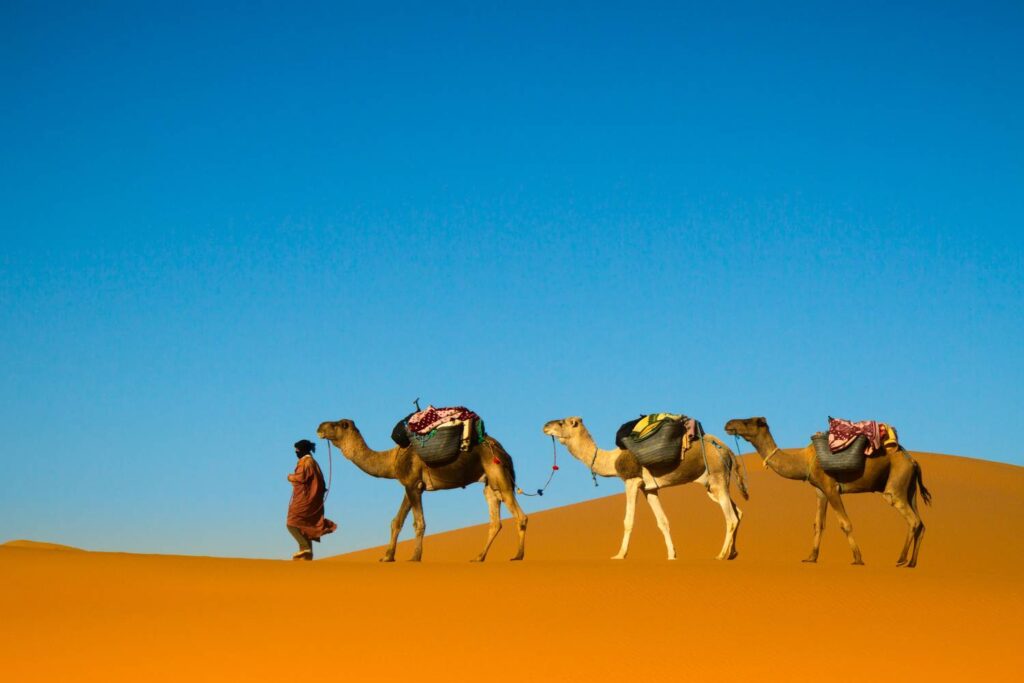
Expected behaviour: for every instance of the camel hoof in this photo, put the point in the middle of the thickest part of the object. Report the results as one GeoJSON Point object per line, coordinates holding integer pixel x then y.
{"type": "Point", "coordinates": [618, 557]}
{"type": "Point", "coordinates": [733, 555]}
{"type": "Point", "coordinates": [858, 563]}
{"type": "Point", "coordinates": [387, 559]}
{"type": "Point", "coordinates": [671, 558]}
{"type": "Point", "coordinates": [414, 559]}
{"type": "Point", "coordinates": [810, 560]}
{"type": "Point", "coordinates": [517, 558]}
{"type": "Point", "coordinates": [477, 559]}
{"type": "Point", "coordinates": [901, 563]}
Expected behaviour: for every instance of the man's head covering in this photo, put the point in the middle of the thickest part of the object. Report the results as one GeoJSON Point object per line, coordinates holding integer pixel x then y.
{"type": "Point", "coordinates": [305, 447]}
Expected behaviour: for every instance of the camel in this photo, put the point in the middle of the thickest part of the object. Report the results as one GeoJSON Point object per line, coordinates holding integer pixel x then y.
{"type": "Point", "coordinates": [894, 474]}
{"type": "Point", "coordinates": [573, 434]}
{"type": "Point", "coordinates": [486, 462]}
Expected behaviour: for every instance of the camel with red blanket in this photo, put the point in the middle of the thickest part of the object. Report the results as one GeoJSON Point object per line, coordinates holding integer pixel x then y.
{"type": "Point", "coordinates": [487, 463]}
{"type": "Point", "coordinates": [892, 472]}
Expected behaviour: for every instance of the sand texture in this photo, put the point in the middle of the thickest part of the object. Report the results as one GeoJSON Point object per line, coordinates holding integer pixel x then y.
{"type": "Point", "coordinates": [567, 613]}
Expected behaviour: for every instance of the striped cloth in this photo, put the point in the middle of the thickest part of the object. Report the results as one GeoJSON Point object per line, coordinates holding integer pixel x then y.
{"type": "Point", "coordinates": [431, 418]}
{"type": "Point", "coordinates": [841, 434]}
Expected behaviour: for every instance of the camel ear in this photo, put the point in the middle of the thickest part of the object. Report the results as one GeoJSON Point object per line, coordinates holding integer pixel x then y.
{"type": "Point", "coordinates": [761, 422]}
{"type": "Point", "coordinates": [574, 422]}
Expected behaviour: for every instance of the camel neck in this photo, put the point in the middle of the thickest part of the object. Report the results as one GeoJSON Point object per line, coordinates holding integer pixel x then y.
{"type": "Point", "coordinates": [375, 463]}
{"type": "Point", "coordinates": [788, 465]}
{"type": "Point", "coordinates": [583, 448]}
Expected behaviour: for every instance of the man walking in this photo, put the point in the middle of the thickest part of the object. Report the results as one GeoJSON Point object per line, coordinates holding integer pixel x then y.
{"type": "Point", "coordinates": [306, 521]}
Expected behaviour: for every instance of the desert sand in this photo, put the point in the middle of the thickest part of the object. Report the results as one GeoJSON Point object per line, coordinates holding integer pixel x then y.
{"type": "Point", "coordinates": [567, 613]}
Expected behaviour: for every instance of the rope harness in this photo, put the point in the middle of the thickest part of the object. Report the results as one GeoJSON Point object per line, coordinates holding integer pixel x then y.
{"type": "Point", "coordinates": [330, 469]}
{"type": "Point", "coordinates": [593, 474]}
{"type": "Point", "coordinates": [551, 475]}
{"type": "Point", "coordinates": [764, 463]}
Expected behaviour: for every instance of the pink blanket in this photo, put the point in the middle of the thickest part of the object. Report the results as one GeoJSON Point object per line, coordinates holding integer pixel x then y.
{"type": "Point", "coordinates": [841, 434]}
{"type": "Point", "coordinates": [432, 418]}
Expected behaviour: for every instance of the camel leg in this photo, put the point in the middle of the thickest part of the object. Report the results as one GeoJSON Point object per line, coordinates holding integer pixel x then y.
{"type": "Point", "coordinates": [494, 508]}
{"type": "Point", "coordinates": [396, 528]}
{"type": "Point", "coordinates": [718, 491]}
{"type": "Point", "coordinates": [659, 514]}
{"type": "Point", "coordinates": [632, 488]}
{"type": "Point", "coordinates": [419, 524]}
{"type": "Point", "coordinates": [836, 501]}
{"type": "Point", "coordinates": [888, 497]}
{"type": "Point", "coordinates": [920, 535]}
{"type": "Point", "coordinates": [915, 532]}
{"type": "Point", "coordinates": [509, 498]}
{"type": "Point", "coordinates": [819, 525]}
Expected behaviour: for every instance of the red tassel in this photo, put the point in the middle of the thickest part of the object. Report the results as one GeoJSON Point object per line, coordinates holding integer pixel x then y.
{"type": "Point", "coordinates": [554, 467]}
{"type": "Point", "coordinates": [497, 462]}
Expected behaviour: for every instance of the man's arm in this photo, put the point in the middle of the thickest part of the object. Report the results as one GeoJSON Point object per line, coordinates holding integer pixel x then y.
{"type": "Point", "coordinates": [303, 473]}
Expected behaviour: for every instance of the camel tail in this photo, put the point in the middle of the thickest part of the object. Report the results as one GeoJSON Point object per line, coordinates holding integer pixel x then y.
{"type": "Point", "coordinates": [741, 480]}
{"type": "Point", "coordinates": [926, 496]}
{"type": "Point", "coordinates": [732, 462]}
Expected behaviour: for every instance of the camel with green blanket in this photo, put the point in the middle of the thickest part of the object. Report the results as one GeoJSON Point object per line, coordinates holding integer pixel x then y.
{"type": "Point", "coordinates": [690, 467]}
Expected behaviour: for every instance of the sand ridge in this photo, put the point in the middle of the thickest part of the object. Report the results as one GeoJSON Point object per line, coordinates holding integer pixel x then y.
{"type": "Point", "coordinates": [567, 613]}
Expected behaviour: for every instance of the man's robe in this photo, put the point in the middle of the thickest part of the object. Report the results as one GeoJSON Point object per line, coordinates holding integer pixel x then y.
{"type": "Point", "coordinates": [306, 509]}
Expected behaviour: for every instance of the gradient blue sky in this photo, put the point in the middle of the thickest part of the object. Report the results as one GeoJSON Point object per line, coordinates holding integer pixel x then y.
{"type": "Point", "coordinates": [223, 225]}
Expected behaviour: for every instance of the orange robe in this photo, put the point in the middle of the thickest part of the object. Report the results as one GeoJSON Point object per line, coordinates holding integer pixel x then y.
{"type": "Point", "coordinates": [306, 509]}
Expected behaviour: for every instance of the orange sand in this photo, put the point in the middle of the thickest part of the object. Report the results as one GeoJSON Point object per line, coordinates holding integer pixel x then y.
{"type": "Point", "coordinates": [565, 614]}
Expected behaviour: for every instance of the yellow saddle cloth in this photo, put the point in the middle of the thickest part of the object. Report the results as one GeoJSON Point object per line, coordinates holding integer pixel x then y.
{"type": "Point", "coordinates": [650, 424]}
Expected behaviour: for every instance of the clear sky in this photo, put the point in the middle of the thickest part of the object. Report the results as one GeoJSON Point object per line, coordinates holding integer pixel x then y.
{"type": "Point", "coordinates": [223, 225]}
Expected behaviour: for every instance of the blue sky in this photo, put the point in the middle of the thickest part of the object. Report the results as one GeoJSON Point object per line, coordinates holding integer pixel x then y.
{"type": "Point", "coordinates": [224, 225]}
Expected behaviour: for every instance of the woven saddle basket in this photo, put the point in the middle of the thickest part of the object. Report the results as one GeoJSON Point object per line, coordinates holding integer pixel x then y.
{"type": "Point", "coordinates": [439, 447]}
{"type": "Point", "coordinates": [661, 448]}
{"type": "Point", "coordinates": [850, 459]}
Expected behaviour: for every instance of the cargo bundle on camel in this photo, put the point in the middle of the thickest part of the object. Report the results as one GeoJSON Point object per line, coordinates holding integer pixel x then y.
{"type": "Point", "coordinates": [478, 457]}
{"type": "Point", "coordinates": [701, 458]}
{"type": "Point", "coordinates": [859, 457]}
{"type": "Point", "coordinates": [438, 435]}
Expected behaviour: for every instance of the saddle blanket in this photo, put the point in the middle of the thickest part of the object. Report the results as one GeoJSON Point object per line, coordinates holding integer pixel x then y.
{"type": "Point", "coordinates": [841, 434]}
{"type": "Point", "coordinates": [431, 418]}
{"type": "Point", "coordinates": [648, 426]}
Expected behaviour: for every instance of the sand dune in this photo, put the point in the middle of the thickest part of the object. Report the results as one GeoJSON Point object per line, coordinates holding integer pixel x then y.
{"type": "Point", "coordinates": [567, 613]}
{"type": "Point", "coordinates": [37, 545]}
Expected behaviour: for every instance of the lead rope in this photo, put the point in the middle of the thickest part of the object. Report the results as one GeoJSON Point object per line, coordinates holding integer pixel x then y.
{"type": "Point", "coordinates": [551, 475]}
{"type": "Point", "coordinates": [330, 469]}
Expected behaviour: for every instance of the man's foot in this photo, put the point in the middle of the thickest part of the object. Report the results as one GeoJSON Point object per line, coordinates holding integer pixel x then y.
{"type": "Point", "coordinates": [303, 555]}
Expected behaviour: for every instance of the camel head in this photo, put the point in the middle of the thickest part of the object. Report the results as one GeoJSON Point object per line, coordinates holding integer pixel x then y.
{"type": "Point", "coordinates": [335, 431]}
{"type": "Point", "coordinates": [748, 428]}
{"type": "Point", "coordinates": [563, 430]}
